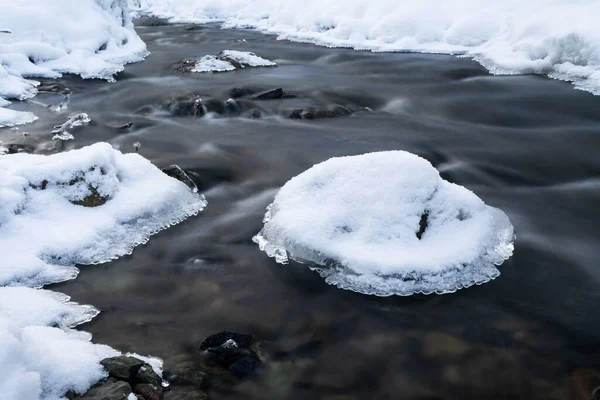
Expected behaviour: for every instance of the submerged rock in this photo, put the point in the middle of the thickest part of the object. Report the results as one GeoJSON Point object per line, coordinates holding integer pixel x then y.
{"type": "Point", "coordinates": [386, 224]}
{"type": "Point", "coordinates": [272, 94]}
{"type": "Point", "coordinates": [334, 111]}
{"type": "Point", "coordinates": [232, 350]}
{"type": "Point", "coordinates": [186, 106]}
{"type": "Point", "coordinates": [236, 93]}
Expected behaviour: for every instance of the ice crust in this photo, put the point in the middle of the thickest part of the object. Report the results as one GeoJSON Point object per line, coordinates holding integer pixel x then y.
{"type": "Point", "coordinates": [90, 38]}
{"type": "Point", "coordinates": [558, 38]}
{"type": "Point", "coordinates": [44, 233]}
{"type": "Point", "coordinates": [355, 220]}
{"type": "Point", "coordinates": [244, 58]}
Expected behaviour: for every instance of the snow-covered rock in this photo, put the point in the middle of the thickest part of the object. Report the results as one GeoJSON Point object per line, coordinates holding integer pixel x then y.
{"type": "Point", "coordinates": [86, 206]}
{"type": "Point", "coordinates": [230, 60]}
{"type": "Point", "coordinates": [386, 224]}
{"type": "Point", "coordinates": [45, 230]}
{"type": "Point", "coordinates": [559, 38]}
{"type": "Point", "coordinates": [91, 38]}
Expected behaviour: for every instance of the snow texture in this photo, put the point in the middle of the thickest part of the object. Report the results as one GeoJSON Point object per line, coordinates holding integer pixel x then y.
{"type": "Point", "coordinates": [45, 229]}
{"type": "Point", "coordinates": [43, 233]}
{"type": "Point", "coordinates": [558, 38]}
{"type": "Point", "coordinates": [223, 61]}
{"type": "Point", "coordinates": [40, 361]}
{"type": "Point", "coordinates": [40, 38]}
{"type": "Point", "coordinates": [386, 224]}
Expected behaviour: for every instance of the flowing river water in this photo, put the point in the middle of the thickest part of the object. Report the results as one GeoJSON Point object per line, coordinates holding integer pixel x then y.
{"type": "Point", "coordinates": [525, 144]}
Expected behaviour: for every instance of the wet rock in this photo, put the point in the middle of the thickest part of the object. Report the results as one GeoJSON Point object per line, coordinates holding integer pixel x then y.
{"type": "Point", "coordinates": [110, 389]}
{"type": "Point", "coordinates": [236, 93]}
{"type": "Point", "coordinates": [146, 375]}
{"type": "Point", "coordinates": [52, 87]}
{"type": "Point", "coordinates": [192, 27]}
{"type": "Point", "coordinates": [19, 148]}
{"type": "Point", "coordinates": [221, 337]}
{"type": "Point", "coordinates": [120, 127]}
{"type": "Point", "coordinates": [148, 391]}
{"type": "Point", "coordinates": [214, 106]}
{"type": "Point", "coordinates": [254, 113]}
{"type": "Point", "coordinates": [175, 171]}
{"type": "Point", "coordinates": [185, 394]}
{"type": "Point", "coordinates": [596, 394]}
{"type": "Point", "coordinates": [273, 94]}
{"type": "Point", "coordinates": [186, 105]}
{"type": "Point", "coordinates": [232, 350]}
{"type": "Point", "coordinates": [319, 113]}
{"type": "Point", "coordinates": [184, 66]}
{"type": "Point", "coordinates": [122, 367]}
{"type": "Point", "coordinates": [190, 376]}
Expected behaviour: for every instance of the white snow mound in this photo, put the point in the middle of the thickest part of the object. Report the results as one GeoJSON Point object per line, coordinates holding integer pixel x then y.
{"type": "Point", "coordinates": [558, 38]}
{"type": "Point", "coordinates": [386, 224]}
{"type": "Point", "coordinates": [85, 206]}
{"type": "Point", "coordinates": [42, 362]}
{"type": "Point", "coordinates": [41, 38]}
{"type": "Point", "coordinates": [230, 60]}
{"type": "Point", "coordinates": [44, 231]}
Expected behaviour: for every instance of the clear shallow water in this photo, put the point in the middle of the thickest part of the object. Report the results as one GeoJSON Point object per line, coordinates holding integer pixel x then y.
{"type": "Point", "coordinates": [525, 144]}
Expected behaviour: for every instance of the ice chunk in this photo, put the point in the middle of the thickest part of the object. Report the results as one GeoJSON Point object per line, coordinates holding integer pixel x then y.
{"type": "Point", "coordinates": [559, 38]}
{"type": "Point", "coordinates": [230, 60]}
{"type": "Point", "coordinates": [61, 132]}
{"type": "Point", "coordinates": [86, 206]}
{"type": "Point", "coordinates": [386, 224]}
{"type": "Point", "coordinates": [91, 38]}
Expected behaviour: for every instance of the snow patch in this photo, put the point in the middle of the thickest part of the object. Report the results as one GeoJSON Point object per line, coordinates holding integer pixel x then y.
{"type": "Point", "coordinates": [230, 60]}
{"type": "Point", "coordinates": [85, 206]}
{"type": "Point", "coordinates": [558, 38]}
{"type": "Point", "coordinates": [386, 224]}
{"type": "Point", "coordinates": [91, 38]}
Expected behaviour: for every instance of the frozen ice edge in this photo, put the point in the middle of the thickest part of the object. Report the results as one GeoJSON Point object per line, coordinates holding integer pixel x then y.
{"type": "Point", "coordinates": [336, 274]}
{"type": "Point", "coordinates": [364, 240]}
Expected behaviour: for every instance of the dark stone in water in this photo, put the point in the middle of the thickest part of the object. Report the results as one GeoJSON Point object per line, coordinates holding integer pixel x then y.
{"type": "Point", "coordinates": [219, 338]}
{"type": "Point", "coordinates": [193, 394]}
{"type": "Point", "coordinates": [120, 127]}
{"type": "Point", "coordinates": [111, 389]}
{"type": "Point", "coordinates": [214, 106]}
{"type": "Point", "coordinates": [19, 148]}
{"type": "Point", "coordinates": [184, 66]}
{"type": "Point", "coordinates": [187, 377]}
{"type": "Point", "coordinates": [52, 87]}
{"type": "Point", "coordinates": [185, 105]}
{"type": "Point", "coordinates": [231, 350]}
{"type": "Point", "coordinates": [255, 113]}
{"type": "Point", "coordinates": [148, 391]}
{"type": "Point", "coordinates": [175, 171]}
{"type": "Point", "coordinates": [122, 367]}
{"type": "Point", "coordinates": [273, 94]}
{"type": "Point", "coordinates": [334, 111]}
{"type": "Point", "coordinates": [236, 93]}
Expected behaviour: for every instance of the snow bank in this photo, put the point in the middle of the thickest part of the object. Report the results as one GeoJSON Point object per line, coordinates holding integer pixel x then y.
{"type": "Point", "coordinates": [559, 38]}
{"type": "Point", "coordinates": [86, 206]}
{"type": "Point", "coordinates": [44, 228]}
{"type": "Point", "coordinates": [40, 38]}
{"type": "Point", "coordinates": [39, 361]}
{"type": "Point", "coordinates": [386, 224]}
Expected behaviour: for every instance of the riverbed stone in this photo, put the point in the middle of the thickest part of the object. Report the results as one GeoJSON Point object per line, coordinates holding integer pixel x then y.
{"type": "Point", "coordinates": [122, 367]}
{"type": "Point", "coordinates": [111, 389]}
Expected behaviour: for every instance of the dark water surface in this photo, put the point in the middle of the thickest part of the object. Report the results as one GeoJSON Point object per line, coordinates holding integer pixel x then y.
{"type": "Point", "coordinates": [525, 144]}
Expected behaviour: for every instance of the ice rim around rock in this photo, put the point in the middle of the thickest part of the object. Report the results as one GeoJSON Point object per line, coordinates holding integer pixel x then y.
{"type": "Point", "coordinates": [451, 278]}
